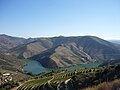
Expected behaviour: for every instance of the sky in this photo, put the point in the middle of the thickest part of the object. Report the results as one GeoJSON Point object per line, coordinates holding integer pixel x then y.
{"type": "Point", "coordinates": [48, 18]}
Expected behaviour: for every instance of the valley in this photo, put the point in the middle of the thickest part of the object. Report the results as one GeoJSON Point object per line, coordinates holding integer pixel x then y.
{"type": "Point", "coordinates": [59, 44]}
{"type": "Point", "coordinates": [35, 68]}
{"type": "Point", "coordinates": [57, 63]}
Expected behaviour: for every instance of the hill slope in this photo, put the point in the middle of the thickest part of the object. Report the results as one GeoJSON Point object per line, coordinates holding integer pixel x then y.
{"type": "Point", "coordinates": [31, 47]}
{"type": "Point", "coordinates": [8, 62]}
{"type": "Point", "coordinates": [63, 51]}
{"type": "Point", "coordinates": [63, 55]}
{"type": "Point", "coordinates": [77, 79]}
{"type": "Point", "coordinates": [8, 42]}
{"type": "Point", "coordinates": [67, 51]}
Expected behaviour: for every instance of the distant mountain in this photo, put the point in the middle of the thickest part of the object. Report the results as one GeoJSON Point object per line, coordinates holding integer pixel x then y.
{"type": "Point", "coordinates": [69, 51]}
{"type": "Point", "coordinates": [62, 56]}
{"type": "Point", "coordinates": [61, 51]}
{"type": "Point", "coordinates": [31, 48]}
{"type": "Point", "coordinates": [115, 41]}
{"type": "Point", "coordinates": [8, 42]}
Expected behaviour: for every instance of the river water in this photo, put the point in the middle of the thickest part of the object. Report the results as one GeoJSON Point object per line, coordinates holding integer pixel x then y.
{"type": "Point", "coordinates": [35, 67]}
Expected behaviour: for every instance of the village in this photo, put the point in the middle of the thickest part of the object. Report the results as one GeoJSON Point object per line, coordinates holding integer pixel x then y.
{"type": "Point", "coordinates": [5, 78]}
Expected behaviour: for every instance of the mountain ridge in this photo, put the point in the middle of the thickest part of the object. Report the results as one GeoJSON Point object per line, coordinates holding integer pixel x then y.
{"type": "Point", "coordinates": [62, 51]}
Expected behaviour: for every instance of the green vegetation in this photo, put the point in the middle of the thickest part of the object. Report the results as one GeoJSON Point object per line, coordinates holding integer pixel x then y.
{"type": "Point", "coordinates": [9, 85]}
{"type": "Point", "coordinates": [72, 79]}
{"type": "Point", "coordinates": [34, 83]}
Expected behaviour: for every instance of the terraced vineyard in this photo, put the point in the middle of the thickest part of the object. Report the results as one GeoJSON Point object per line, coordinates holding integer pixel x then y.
{"type": "Point", "coordinates": [73, 79]}
{"type": "Point", "coordinates": [32, 84]}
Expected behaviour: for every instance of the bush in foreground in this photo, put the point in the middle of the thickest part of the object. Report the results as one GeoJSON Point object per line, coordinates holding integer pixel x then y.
{"type": "Point", "coordinates": [114, 85]}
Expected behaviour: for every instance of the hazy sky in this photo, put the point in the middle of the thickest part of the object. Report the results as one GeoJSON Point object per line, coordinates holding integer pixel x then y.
{"type": "Point", "coordinates": [41, 18]}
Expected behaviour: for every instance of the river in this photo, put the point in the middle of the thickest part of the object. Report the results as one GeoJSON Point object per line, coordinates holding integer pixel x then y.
{"type": "Point", "coordinates": [35, 67]}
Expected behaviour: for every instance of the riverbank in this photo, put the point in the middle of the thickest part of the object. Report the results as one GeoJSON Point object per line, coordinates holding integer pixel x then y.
{"type": "Point", "coordinates": [36, 68]}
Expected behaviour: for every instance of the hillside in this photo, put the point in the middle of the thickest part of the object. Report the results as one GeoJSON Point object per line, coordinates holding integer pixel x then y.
{"type": "Point", "coordinates": [8, 62]}
{"type": "Point", "coordinates": [8, 42]}
{"type": "Point", "coordinates": [77, 79]}
{"type": "Point", "coordinates": [58, 52]}
{"type": "Point", "coordinates": [31, 47]}
{"type": "Point", "coordinates": [61, 51]}
{"type": "Point", "coordinates": [110, 62]}
{"type": "Point", "coordinates": [63, 55]}
{"type": "Point", "coordinates": [69, 51]}
{"type": "Point", "coordinates": [12, 66]}
{"type": "Point", "coordinates": [113, 85]}
{"type": "Point", "coordinates": [66, 51]}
